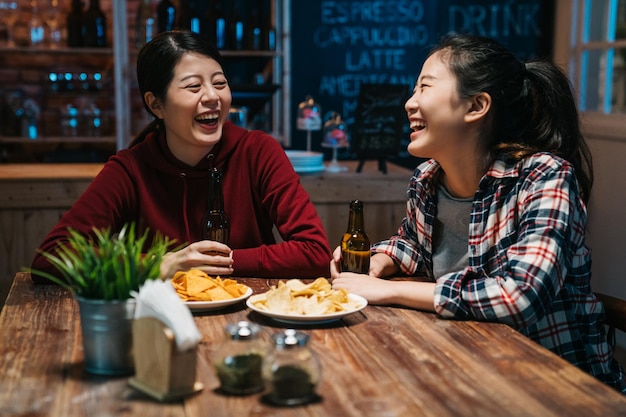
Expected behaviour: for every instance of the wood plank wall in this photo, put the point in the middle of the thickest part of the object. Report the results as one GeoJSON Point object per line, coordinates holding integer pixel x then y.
{"type": "Point", "coordinates": [34, 197]}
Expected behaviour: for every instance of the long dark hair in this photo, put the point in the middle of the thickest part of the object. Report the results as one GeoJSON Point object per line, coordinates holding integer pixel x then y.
{"type": "Point", "coordinates": [156, 62]}
{"type": "Point", "coordinates": [533, 107]}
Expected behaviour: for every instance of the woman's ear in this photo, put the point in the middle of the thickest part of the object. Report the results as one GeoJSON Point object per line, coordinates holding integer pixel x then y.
{"type": "Point", "coordinates": [480, 105]}
{"type": "Point", "coordinates": [154, 104]}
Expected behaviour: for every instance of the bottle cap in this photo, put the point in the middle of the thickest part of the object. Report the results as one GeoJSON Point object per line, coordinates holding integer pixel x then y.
{"type": "Point", "coordinates": [290, 338]}
{"type": "Point", "coordinates": [243, 330]}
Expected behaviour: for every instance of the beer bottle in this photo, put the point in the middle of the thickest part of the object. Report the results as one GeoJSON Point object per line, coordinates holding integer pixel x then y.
{"type": "Point", "coordinates": [238, 30]}
{"type": "Point", "coordinates": [95, 25]}
{"type": "Point", "coordinates": [355, 245]}
{"type": "Point", "coordinates": [145, 24]}
{"type": "Point", "coordinates": [217, 29]}
{"type": "Point", "coordinates": [255, 32]}
{"type": "Point", "coordinates": [166, 16]}
{"type": "Point", "coordinates": [215, 223]}
{"type": "Point", "coordinates": [75, 24]}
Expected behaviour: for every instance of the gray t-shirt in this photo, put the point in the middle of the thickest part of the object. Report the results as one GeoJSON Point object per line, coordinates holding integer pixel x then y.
{"type": "Point", "coordinates": [450, 234]}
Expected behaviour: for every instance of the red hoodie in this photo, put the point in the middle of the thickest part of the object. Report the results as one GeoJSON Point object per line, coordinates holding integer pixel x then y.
{"type": "Point", "coordinates": [148, 185]}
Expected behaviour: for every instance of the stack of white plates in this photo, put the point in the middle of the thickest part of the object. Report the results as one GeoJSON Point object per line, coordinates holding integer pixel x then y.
{"type": "Point", "coordinates": [305, 162]}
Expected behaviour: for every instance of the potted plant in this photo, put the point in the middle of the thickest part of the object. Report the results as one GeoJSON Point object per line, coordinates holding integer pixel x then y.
{"type": "Point", "coordinates": [101, 272]}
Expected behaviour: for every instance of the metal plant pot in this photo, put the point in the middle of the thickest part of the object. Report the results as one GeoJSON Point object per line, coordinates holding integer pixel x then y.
{"type": "Point", "coordinates": [107, 335]}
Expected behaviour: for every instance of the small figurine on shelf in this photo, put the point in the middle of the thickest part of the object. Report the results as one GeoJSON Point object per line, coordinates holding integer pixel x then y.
{"type": "Point", "coordinates": [335, 137]}
{"type": "Point", "coordinates": [309, 118]}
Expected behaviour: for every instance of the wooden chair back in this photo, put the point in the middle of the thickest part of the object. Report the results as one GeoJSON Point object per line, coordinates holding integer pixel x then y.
{"type": "Point", "coordinates": [615, 315]}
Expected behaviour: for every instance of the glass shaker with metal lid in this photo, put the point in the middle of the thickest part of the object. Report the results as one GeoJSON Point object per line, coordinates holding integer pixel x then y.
{"type": "Point", "coordinates": [238, 361]}
{"type": "Point", "coordinates": [291, 370]}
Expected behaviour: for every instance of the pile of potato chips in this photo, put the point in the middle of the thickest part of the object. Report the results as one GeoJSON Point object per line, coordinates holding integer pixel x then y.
{"type": "Point", "coordinates": [295, 297]}
{"type": "Point", "coordinates": [195, 285]}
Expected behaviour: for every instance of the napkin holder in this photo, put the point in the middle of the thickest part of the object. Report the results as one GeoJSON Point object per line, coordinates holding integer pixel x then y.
{"type": "Point", "coordinates": [161, 371]}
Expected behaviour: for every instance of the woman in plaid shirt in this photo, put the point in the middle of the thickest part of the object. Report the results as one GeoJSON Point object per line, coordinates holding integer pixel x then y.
{"type": "Point", "coordinates": [496, 216]}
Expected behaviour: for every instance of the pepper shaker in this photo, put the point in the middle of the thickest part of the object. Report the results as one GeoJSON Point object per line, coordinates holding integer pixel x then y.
{"type": "Point", "coordinates": [291, 370]}
{"type": "Point", "coordinates": [238, 361]}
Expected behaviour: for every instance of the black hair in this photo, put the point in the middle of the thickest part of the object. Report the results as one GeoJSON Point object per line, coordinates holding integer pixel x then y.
{"type": "Point", "coordinates": [533, 107]}
{"type": "Point", "coordinates": [156, 62]}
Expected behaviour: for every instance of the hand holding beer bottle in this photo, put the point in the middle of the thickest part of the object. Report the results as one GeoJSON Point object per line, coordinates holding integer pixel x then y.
{"type": "Point", "coordinates": [355, 245]}
{"type": "Point", "coordinates": [215, 223]}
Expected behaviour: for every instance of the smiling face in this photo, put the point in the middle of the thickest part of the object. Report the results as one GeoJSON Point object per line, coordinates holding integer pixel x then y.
{"type": "Point", "coordinates": [436, 112]}
{"type": "Point", "coordinates": [195, 108]}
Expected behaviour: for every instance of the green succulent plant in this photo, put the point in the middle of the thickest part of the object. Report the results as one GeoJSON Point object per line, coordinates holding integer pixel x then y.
{"type": "Point", "coordinates": [107, 266]}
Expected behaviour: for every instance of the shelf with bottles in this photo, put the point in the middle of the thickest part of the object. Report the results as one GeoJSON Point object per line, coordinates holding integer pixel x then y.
{"type": "Point", "coordinates": [41, 58]}
{"type": "Point", "coordinates": [56, 50]}
{"type": "Point", "coordinates": [54, 23]}
{"type": "Point", "coordinates": [46, 140]}
{"type": "Point", "coordinates": [55, 100]}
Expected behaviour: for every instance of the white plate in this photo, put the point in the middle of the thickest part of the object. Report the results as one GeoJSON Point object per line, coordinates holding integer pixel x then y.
{"type": "Point", "coordinates": [216, 305]}
{"type": "Point", "coordinates": [303, 155]}
{"type": "Point", "coordinates": [309, 170]}
{"type": "Point", "coordinates": [313, 318]}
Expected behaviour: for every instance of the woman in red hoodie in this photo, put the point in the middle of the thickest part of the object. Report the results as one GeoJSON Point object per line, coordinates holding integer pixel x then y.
{"type": "Point", "coordinates": [161, 181]}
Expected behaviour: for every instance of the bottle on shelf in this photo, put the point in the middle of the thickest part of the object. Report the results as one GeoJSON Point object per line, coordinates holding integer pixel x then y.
{"type": "Point", "coordinates": [145, 24]}
{"type": "Point", "coordinates": [166, 16]}
{"type": "Point", "coordinates": [355, 245]}
{"type": "Point", "coordinates": [191, 16]}
{"type": "Point", "coordinates": [255, 31]}
{"type": "Point", "coordinates": [270, 38]}
{"type": "Point", "coordinates": [95, 26]}
{"type": "Point", "coordinates": [216, 25]}
{"type": "Point", "coordinates": [75, 24]}
{"type": "Point", "coordinates": [268, 30]}
{"type": "Point", "coordinates": [238, 30]}
{"type": "Point", "coordinates": [215, 223]}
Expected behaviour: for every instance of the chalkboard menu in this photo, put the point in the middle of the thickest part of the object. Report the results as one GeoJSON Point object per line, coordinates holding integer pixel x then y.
{"type": "Point", "coordinates": [338, 46]}
{"type": "Point", "coordinates": [378, 120]}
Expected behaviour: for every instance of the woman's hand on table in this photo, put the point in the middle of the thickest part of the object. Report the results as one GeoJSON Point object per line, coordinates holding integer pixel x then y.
{"type": "Point", "coordinates": [376, 290]}
{"type": "Point", "coordinates": [381, 265]}
{"type": "Point", "coordinates": [211, 257]}
{"type": "Point", "coordinates": [368, 286]}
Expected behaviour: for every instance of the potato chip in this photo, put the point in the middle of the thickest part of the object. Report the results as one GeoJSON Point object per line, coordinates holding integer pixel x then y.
{"type": "Point", "coordinates": [296, 297]}
{"type": "Point", "coordinates": [195, 285]}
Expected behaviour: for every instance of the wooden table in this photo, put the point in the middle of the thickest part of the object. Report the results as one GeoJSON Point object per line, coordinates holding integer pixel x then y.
{"type": "Point", "coordinates": [382, 362]}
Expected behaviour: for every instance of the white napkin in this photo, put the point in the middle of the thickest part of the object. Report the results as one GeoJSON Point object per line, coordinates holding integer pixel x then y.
{"type": "Point", "coordinates": [159, 299]}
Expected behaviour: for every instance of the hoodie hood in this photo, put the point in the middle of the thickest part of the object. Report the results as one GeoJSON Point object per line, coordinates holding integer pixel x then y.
{"type": "Point", "coordinates": [153, 150]}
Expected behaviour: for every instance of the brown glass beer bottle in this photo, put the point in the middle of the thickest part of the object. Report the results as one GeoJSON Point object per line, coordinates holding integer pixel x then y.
{"type": "Point", "coordinates": [215, 223]}
{"type": "Point", "coordinates": [355, 245]}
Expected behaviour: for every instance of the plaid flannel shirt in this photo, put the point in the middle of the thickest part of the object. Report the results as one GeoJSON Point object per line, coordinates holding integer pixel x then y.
{"type": "Point", "coordinates": [528, 263]}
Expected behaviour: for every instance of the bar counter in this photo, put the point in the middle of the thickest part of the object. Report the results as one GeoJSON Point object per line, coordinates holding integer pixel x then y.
{"type": "Point", "coordinates": [379, 362]}
{"type": "Point", "coordinates": [34, 196]}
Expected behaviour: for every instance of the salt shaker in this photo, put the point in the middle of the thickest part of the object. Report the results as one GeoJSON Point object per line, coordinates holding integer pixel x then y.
{"type": "Point", "coordinates": [238, 361]}
{"type": "Point", "coordinates": [291, 370]}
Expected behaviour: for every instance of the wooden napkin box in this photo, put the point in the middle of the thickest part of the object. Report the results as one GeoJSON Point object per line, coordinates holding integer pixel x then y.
{"type": "Point", "coordinates": [161, 371]}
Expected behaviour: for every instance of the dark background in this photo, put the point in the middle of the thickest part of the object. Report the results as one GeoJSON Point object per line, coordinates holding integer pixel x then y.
{"type": "Point", "coordinates": [338, 45]}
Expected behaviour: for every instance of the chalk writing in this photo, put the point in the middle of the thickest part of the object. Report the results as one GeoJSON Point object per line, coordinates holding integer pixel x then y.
{"type": "Point", "coordinates": [496, 20]}
{"type": "Point", "coordinates": [340, 45]}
